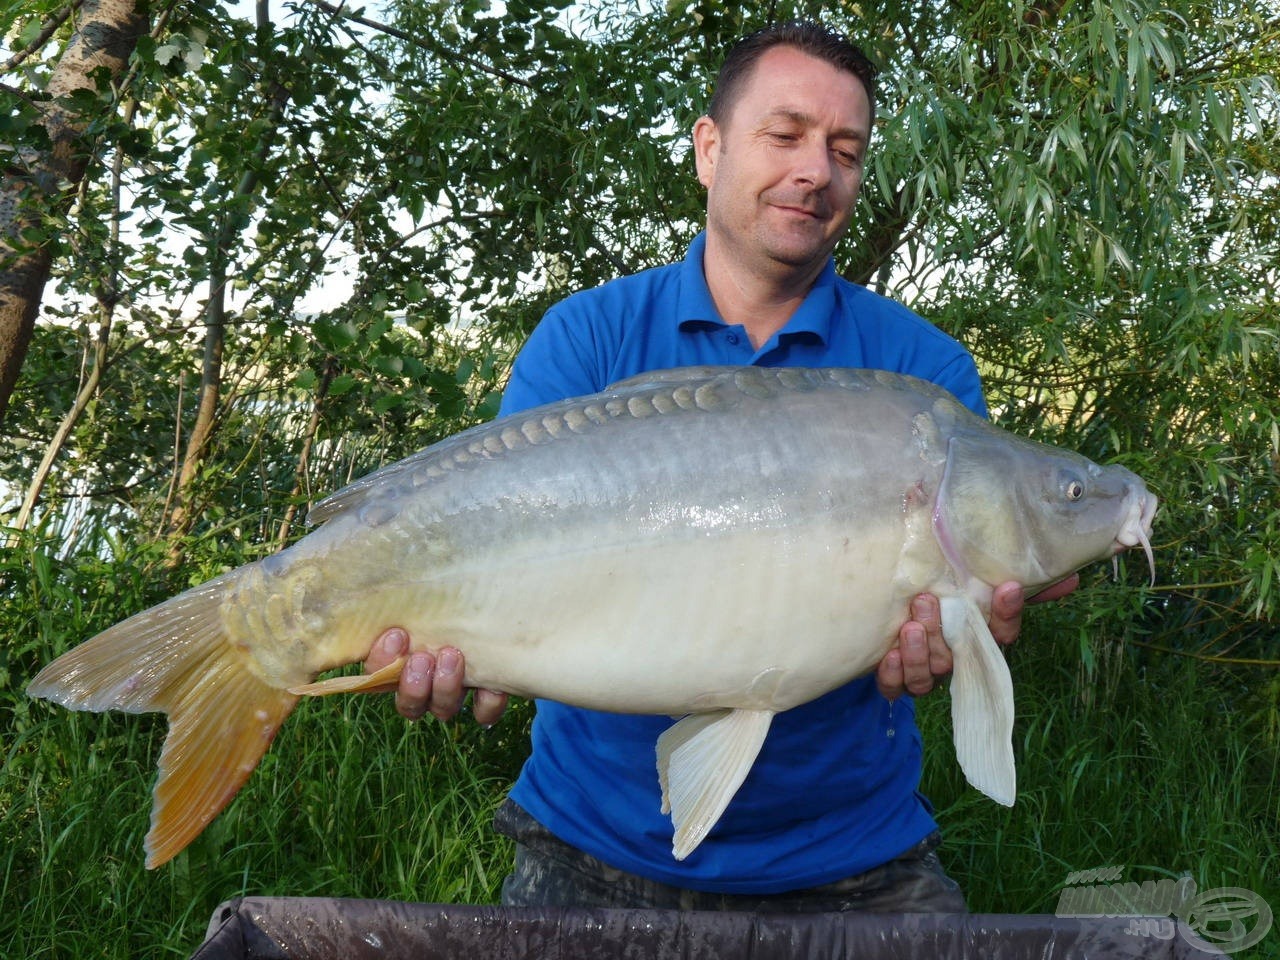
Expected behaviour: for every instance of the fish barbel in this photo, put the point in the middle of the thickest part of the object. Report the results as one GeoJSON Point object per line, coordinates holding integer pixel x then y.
{"type": "Point", "coordinates": [759, 532]}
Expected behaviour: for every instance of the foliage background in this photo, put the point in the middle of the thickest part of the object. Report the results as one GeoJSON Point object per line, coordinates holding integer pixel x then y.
{"type": "Point", "coordinates": [309, 240]}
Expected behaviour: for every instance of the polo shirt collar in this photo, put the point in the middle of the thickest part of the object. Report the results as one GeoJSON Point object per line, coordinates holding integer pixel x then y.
{"type": "Point", "coordinates": [695, 308]}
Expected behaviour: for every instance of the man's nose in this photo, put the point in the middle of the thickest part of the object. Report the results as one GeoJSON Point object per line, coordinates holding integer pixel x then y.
{"type": "Point", "coordinates": [813, 163]}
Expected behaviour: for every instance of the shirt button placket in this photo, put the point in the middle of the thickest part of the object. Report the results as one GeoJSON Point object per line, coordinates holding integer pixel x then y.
{"type": "Point", "coordinates": [735, 351]}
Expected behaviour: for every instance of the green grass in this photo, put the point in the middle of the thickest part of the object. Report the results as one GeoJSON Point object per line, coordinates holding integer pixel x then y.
{"type": "Point", "coordinates": [1165, 766]}
{"type": "Point", "coordinates": [1160, 764]}
{"type": "Point", "coordinates": [350, 802]}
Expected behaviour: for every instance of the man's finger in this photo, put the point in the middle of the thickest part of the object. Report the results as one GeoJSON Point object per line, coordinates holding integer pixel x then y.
{"type": "Point", "coordinates": [416, 682]}
{"type": "Point", "coordinates": [446, 688]}
{"type": "Point", "coordinates": [1006, 613]}
{"type": "Point", "coordinates": [1057, 591]}
{"type": "Point", "coordinates": [390, 644]}
{"type": "Point", "coordinates": [927, 611]}
{"type": "Point", "coordinates": [889, 675]}
{"type": "Point", "coordinates": [487, 706]}
{"type": "Point", "coordinates": [913, 642]}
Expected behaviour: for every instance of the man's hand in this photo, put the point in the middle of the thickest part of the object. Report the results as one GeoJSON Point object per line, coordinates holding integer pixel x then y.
{"type": "Point", "coordinates": [922, 657]}
{"type": "Point", "coordinates": [432, 684]}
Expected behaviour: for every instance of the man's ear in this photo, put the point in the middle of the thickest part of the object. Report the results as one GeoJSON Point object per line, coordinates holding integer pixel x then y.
{"type": "Point", "coordinates": [706, 146]}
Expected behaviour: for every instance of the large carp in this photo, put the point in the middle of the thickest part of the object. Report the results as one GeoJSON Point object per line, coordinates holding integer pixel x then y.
{"type": "Point", "coordinates": [757, 532]}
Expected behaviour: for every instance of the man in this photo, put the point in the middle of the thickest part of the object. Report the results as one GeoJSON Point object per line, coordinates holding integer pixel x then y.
{"type": "Point", "coordinates": [830, 817]}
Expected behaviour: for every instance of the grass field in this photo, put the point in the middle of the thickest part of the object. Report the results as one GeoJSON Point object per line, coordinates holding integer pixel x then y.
{"type": "Point", "coordinates": [1158, 764]}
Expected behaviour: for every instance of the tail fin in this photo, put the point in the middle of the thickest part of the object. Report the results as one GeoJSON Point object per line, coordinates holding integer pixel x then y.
{"type": "Point", "coordinates": [175, 658]}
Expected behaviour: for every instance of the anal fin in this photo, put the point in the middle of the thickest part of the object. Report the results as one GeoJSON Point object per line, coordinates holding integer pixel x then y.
{"type": "Point", "coordinates": [380, 681]}
{"type": "Point", "coordinates": [702, 761]}
{"type": "Point", "coordinates": [981, 701]}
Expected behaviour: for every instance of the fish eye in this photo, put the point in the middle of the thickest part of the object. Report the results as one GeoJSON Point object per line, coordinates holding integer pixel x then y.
{"type": "Point", "coordinates": [1072, 488]}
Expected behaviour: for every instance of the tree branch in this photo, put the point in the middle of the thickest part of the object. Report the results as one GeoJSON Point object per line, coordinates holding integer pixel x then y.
{"type": "Point", "coordinates": [50, 27]}
{"type": "Point", "coordinates": [408, 38]}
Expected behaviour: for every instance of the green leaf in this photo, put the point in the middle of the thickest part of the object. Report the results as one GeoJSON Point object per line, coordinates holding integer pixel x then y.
{"type": "Point", "coordinates": [341, 384]}
{"type": "Point", "coordinates": [387, 403]}
{"type": "Point", "coordinates": [388, 366]}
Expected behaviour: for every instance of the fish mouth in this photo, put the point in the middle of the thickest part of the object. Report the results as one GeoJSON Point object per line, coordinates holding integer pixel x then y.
{"type": "Point", "coordinates": [1137, 526]}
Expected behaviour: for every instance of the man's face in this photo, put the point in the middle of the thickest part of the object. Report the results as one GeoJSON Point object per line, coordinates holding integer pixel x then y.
{"type": "Point", "coordinates": [783, 169]}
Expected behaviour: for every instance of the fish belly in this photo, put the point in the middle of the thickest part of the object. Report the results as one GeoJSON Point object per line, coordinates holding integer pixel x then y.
{"type": "Point", "coordinates": [745, 621]}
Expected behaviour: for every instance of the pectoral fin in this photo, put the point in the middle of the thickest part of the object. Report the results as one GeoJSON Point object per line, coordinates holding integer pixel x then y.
{"type": "Point", "coordinates": [702, 761]}
{"type": "Point", "coordinates": [981, 701]}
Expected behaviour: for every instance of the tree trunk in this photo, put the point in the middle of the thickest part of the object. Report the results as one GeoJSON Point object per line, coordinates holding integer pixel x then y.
{"type": "Point", "coordinates": [39, 181]}
{"type": "Point", "coordinates": [215, 334]}
{"type": "Point", "coordinates": [185, 510]}
{"type": "Point", "coordinates": [107, 301]}
{"type": "Point", "coordinates": [98, 362]}
{"type": "Point", "coordinates": [327, 374]}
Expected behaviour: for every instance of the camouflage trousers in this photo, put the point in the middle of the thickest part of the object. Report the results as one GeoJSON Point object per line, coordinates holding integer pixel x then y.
{"type": "Point", "coordinates": [550, 873]}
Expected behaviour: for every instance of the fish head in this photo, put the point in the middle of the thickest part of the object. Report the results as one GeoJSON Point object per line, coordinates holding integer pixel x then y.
{"type": "Point", "coordinates": [1012, 509]}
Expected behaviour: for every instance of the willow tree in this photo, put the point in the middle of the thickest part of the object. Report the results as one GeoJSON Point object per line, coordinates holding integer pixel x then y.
{"type": "Point", "coordinates": [1093, 194]}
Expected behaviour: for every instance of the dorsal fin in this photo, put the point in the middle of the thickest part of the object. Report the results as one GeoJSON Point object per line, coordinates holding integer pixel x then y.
{"type": "Point", "coordinates": [655, 378]}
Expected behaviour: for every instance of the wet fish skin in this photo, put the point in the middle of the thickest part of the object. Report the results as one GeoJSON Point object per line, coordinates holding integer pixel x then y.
{"type": "Point", "coordinates": [757, 532]}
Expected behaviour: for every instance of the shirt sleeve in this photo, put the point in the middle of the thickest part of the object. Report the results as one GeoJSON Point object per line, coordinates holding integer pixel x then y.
{"type": "Point", "coordinates": [554, 364]}
{"type": "Point", "coordinates": [960, 378]}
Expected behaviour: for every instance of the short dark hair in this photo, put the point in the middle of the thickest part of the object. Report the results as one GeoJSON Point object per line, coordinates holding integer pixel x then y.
{"type": "Point", "coordinates": [807, 36]}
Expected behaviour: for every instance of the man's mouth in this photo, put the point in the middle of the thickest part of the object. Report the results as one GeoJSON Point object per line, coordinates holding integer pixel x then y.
{"type": "Point", "coordinates": [814, 210]}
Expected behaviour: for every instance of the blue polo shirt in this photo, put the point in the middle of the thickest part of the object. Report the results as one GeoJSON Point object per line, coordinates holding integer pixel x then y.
{"type": "Point", "coordinates": [834, 790]}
